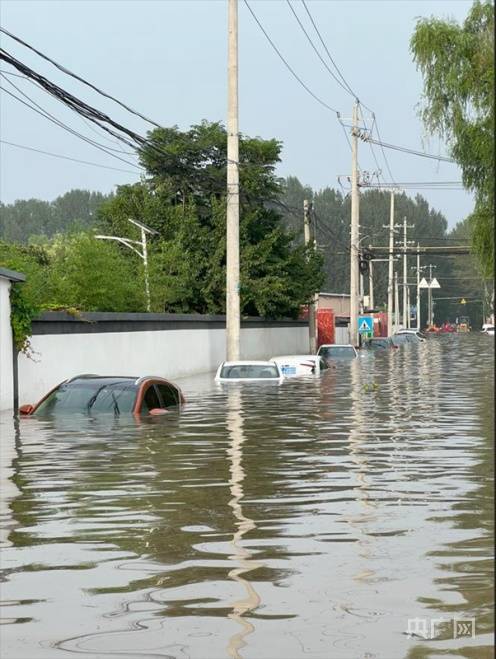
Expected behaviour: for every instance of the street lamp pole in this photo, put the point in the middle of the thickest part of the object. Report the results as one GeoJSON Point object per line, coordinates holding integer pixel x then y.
{"type": "Point", "coordinates": [143, 254]}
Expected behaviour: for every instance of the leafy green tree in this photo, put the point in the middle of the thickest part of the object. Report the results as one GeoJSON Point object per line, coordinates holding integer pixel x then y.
{"type": "Point", "coordinates": [77, 271]}
{"type": "Point", "coordinates": [457, 63]}
{"type": "Point", "coordinates": [184, 200]}
{"type": "Point", "coordinates": [24, 219]}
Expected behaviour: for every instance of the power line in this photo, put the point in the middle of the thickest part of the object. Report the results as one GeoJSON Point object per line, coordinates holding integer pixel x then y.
{"type": "Point", "coordinates": [58, 155]}
{"type": "Point", "coordinates": [404, 149]}
{"type": "Point", "coordinates": [91, 113]}
{"type": "Point", "coordinates": [74, 75]}
{"type": "Point", "coordinates": [58, 121]}
{"type": "Point", "coordinates": [6, 91]}
{"type": "Point", "coordinates": [287, 65]}
{"type": "Point", "coordinates": [92, 128]}
{"type": "Point", "coordinates": [346, 89]}
{"type": "Point", "coordinates": [347, 86]}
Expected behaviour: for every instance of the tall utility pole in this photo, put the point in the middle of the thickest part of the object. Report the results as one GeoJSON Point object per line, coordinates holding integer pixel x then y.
{"type": "Point", "coordinates": [429, 298]}
{"type": "Point", "coordinates": [232, 219]}
{"type": "Point", "coordinates": [396, 303]}
{"type": "Point", "coordinates": [311, 306]}
{"type": "Point", "coordinates": [406, 309]}
{"type": "Point", "coordinates": [371, 285]}
{"type": "Point", "coordinates": [391, 266]}
{"type": "Point", "coordinates": [418, 288]}
{"type": "Point", "coordinates": [354, 275]}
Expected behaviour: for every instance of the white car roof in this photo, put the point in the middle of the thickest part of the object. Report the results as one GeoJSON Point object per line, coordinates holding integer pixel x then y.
{"type": "Point", "coordinates": [336, 345]}
{"type": "Point", "coordinates": [287, 358]}
{"type": "Point", "coordinates": [249, 362]}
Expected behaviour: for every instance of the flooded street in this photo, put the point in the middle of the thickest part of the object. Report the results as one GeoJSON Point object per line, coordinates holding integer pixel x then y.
{"type": "Point", "coordinates": [313, 519]}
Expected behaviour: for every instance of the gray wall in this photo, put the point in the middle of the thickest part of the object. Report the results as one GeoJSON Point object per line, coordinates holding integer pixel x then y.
{"type": "Point", "coordinates": [167, 345]}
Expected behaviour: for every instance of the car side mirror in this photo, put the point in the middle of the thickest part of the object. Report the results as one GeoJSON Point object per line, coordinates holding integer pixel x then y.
{"type": "Point", "coordinates": [26, 409]}
{"type": "Point", "coordinates": [157, 411]}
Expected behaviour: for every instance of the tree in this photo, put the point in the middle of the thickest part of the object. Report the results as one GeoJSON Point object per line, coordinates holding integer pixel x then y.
{"type": "Point", "coordinates": [457, 63]}
{"type": "Point", "coordinates": [26, 218]}
{"type": "Point", "coordinates": [184, 200]}
{"type": "Point", "coordinates": [76, 271]}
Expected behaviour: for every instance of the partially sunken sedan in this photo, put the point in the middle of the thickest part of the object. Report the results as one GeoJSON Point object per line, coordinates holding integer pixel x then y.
{"type": "Point", "coordinates": [100, 394]}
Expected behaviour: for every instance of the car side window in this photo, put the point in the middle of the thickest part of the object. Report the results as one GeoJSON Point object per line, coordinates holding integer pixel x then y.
{"type": "Point", "coordinates": [170, 395]}
{"type": "Point", "coordinates": [150, 399]}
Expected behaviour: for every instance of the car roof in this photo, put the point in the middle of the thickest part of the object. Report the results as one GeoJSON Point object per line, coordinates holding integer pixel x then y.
{"type": "Point", "coordinates": [248, 362]}
{"type": "Point", "coordinates": [288, 357]}
{"type": "Point", "coordinates": [114, 379]}
{"type": "Point", "coordinates": [336, 345]}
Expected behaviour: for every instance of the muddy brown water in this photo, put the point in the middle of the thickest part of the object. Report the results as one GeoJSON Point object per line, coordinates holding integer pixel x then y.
{"type": "Point", "coordinates": [324, 517]}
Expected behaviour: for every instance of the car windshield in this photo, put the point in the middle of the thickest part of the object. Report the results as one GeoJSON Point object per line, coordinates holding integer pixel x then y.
{"type": "Point", "coordinates": [90, 396]}
{"type": "Point", "coordinates": [337, 352]}
{"type": "Point", "coordinates": [248, 371]}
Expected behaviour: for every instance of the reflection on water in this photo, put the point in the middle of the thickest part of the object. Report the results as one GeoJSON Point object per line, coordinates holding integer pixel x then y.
{"type": "Point", "coordinates": [241, 555]}
{"type": "Point", "coordinates": [310, 519]}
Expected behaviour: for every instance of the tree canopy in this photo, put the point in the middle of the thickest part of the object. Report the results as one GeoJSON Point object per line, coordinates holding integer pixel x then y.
{"type": "Point", "coordinates": [26, 218]}
{"type": "Point", "coordinates": [457, 63]}
{"type": "Point", "coordinates": [184, 200]}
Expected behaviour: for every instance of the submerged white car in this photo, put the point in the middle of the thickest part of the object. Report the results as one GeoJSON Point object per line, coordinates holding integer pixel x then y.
{"type": "Point", "coordinates": [241, 371]}
{"type": "Point", "coordinates": [292, 365]}
{"type": "Point", "coordinates": [337, 351]}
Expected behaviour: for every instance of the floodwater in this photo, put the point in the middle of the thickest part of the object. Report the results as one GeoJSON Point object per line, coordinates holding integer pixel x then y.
{"type": "Point", "coordinates": [321, 518]}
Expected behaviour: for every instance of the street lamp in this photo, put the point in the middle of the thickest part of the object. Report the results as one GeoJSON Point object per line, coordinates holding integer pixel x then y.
{"type": "Point", "coordinates": [143, 254]}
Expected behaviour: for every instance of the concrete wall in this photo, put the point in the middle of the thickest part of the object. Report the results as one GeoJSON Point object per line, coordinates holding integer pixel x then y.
{"type": "Point", "coordinates": [167, 345]}
{"type": "Point", "coordinates": [338, 302]}
{"type": "Point", "coordinates": [6, 361]}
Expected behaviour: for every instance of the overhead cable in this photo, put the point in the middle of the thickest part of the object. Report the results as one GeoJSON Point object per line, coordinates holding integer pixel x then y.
{"type": "Point", "coordinates": [101, 148]}
{"type": "Point", "coordinates": [74, 75]}
{"type": "Point", "coordinates": [310, 41]}
{"type": "Point", "coordinates": [287, 65]}
{"type": "Point", "coordinates": [404, 149]}
{"type": "Point", "coordinates": [58, 155]}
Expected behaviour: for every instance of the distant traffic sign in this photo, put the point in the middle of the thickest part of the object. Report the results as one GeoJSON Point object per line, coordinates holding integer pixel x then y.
{"type": "Point", "coordinates": [365, 325]}
{"type": "Point", "coordinates": [463, 301]}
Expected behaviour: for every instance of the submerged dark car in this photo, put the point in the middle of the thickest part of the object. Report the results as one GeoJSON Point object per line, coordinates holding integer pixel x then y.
{"type": "Point", "coordinates": [379, 343]}
{"type": "Point", "coordinates": [96, 394]}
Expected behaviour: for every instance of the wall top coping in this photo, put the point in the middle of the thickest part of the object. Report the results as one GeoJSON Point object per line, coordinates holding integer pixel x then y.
{"type": "Point", "coordinates": [12, 275]}
{"type": "Point", "coordinates": [334, 294]}
{"type": "Point", "coordinates": [100, 316]}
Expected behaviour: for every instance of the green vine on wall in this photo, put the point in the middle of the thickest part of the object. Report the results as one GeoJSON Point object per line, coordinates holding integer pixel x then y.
{"type": "Point", "coordinates": [22, 314]}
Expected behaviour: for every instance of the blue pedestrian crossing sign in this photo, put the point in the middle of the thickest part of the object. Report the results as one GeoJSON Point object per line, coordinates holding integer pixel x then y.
{"type": "Point", "coordinates": [365, 325]}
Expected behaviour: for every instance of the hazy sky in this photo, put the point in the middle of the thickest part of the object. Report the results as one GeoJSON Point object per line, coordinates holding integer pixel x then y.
{"type": "Point", "coordinates": [167, 59]}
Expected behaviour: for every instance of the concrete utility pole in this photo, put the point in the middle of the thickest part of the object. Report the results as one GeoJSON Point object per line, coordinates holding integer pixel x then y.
{"type": "Point", "coordinates": [396, 303]}
{"type": "Point", "coordinates": [355, 200]}
{"type": "Point", "coordinates": [391, 266]}
{"type": "Point", "coordinates": [312, 325]}
{"type": "Point", "coordinates": [371, 285]}
{"type": "Point", "coordinates": [406, 308]}
{"type": "Point", "coordinates": [232, 218]}
{"type": "Point", "coordinates": [429, 297]}
{"type": "Point", "coordinates": [418, 288]}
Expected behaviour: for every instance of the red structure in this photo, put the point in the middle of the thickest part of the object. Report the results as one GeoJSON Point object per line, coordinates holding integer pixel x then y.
{"type": "Point", "coordinates": [380, 323]}
{"type": "Point", "coordinates": [325, 326]}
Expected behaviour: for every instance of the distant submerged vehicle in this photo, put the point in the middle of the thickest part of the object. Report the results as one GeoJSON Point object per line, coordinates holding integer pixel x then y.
{"type": "Point", "coordinates": [463, 324]}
